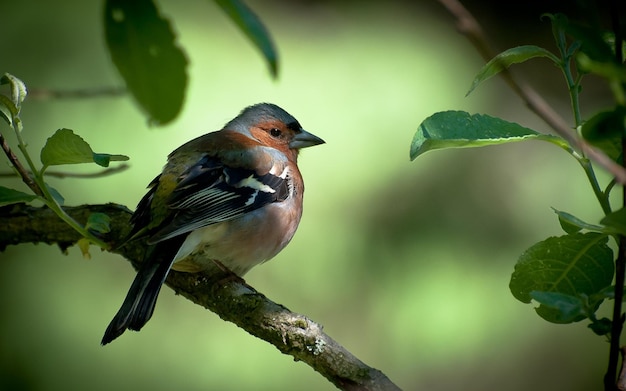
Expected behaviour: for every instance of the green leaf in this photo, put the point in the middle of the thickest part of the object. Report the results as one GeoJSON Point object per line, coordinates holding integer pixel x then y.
{"type": "Point", "coordinates": [593, 40]}
{"type": "Point", "coordinates": [577, 264]}
{"type": "Point", "coordinates": [616, 221]}
{"type": "Point", "coordinates": [143, 48]}
{"type": "Point", "coordinates": [103, 159]}
{"type": "Point", "coordinates": [10, 196]}
{"type": "Point", "coordinates": [7, 109]}
{"type": "Point", "coordinates": [507, 58]}
{"type": "Point", "coordinates": [56, 195]}
{"type": "Point", "coordinates": [607, 69]}
{"type": "Point", "coordinates": [604, 130]}
{"type": "Point", "coordinates": [572, 224]}
{"type": "Point", "coordinates": [18, 89]}
{"type": "Point", "coordinates": [459, 129]}
{"type": "Point", "coordinates": [99, 222]}
{"type": "Point", "coordinates": [601, 327]}
{"type": "Point", "coordinates": [253, 28]}
{"type": "Point", "coordinates": [558, 307]}
{"type": "Point", "coordinates": [65, 147]}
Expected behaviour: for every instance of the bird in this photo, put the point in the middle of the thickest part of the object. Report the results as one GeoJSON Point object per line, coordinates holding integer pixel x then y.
{"type": "Point", "coordinates": [233, 196]}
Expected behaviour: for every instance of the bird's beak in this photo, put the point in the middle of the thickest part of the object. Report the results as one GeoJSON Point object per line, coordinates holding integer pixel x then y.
{"type": "Point", "coordinates": [305, 139]}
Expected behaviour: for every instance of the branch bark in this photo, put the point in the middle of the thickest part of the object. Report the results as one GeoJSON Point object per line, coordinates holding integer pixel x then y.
{"type": "Point", "coordinates": [231, 299]}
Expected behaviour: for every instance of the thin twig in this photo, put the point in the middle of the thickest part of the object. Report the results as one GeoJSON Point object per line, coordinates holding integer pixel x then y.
{"type": "Point", "coordinates": [42, 94]}
{"type": "Point", "coordinates": [63, 174]}
{"type": "Point", "coordinates": [468, 26]}
{"type": "Point", "coordinates": [23, 172]}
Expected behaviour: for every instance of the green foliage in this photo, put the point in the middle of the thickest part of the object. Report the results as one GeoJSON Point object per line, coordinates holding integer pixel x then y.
{"type": "Point", "coordinates": [565, 269]}
{"type": "Point", "coordinates": [253, 28]}
{"type": "Point", "coordinates": [63, 147]}
{"type": "Point", "coordinates": [458, 129]}
{"type": "Point", "coordinates": [143, 48]}
{"type": "Point", "coordinates": [11, 196]}
{"type": "Point", "coordinates": [507, 58]}
{"type": "Point", "coordinates": [569, 276]}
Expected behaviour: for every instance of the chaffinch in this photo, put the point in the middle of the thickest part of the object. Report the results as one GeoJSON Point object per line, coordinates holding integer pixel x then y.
{"type": "Point", "coordinates": [234, 196]}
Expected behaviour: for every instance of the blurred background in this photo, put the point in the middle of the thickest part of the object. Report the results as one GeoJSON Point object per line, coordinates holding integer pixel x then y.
{"type": "Point", "coordinates": [406, 264]}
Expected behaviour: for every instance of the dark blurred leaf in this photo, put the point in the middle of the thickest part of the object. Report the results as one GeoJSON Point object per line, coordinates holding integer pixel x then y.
{"type": "Point", "coordinates": [558, 307]}
{"type": "Point", "coordinates": [616, 220]}
{"type": "Point", "coordinates": [10, 196]}
{"type": "Point", "coordinates": [143, 48]}
{"type": "Point", "coordinates": [459, 129]}
{"type": "Point", "coordinates": [559, 23]}
{"type": "Point", "coordinates": [607, 69]}
{"type": "Point", "coordinates": [251, 25]}
{"type": "Point", "coordinates": [601, 326]}
{"type": "Point", "coordinates": [592, 41]}
{"type": "Point", "coordinates": [604, 130]}
{"type": "Point", "coordinates": [65, 147]}
{"type": "Point", "coordinates": [507, 58]}
{"type": "Point", "coordinates": [577, 264]}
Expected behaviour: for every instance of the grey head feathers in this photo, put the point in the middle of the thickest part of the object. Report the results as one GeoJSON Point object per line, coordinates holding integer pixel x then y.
{"type": "Point", "coordinates": [261, 112]}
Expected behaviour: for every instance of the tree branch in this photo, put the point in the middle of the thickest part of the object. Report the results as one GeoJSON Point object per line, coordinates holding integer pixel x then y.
{"type": "Point", "coordinates": [229, 298]}
{"type": "Point", "coordinates": [468, 26]}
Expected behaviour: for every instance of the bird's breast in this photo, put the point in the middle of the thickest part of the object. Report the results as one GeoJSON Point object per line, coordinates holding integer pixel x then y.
{"type": "Point", "coordinates": [241, 243]}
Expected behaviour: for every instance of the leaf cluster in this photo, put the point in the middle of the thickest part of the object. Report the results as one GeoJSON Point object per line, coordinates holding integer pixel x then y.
{"type": "Point", "coordinates": [568, 276]}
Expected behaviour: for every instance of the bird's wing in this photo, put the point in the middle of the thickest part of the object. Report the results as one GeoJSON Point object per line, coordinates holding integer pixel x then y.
{"type": "Point", "coordinates": [210, 192]}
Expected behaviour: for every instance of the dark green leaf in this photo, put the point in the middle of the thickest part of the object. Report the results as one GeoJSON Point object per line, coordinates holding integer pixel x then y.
{"type": "Point", "coordinates": [604, 130]}
{"type": "Point", "coordinates": [616, 221]}
{"type": "Point", "coordinates": [607, 69]}
{"type": "Point", "coordinates": [103, 159]}
{"type": "Point", "coordinates": [608, 293]}
{"type": "Point", "coordinates": [559, 24]}
{"type": "Point", "coordinates": [143, 48]}
{"type": "Point", "coordinates": [507, 58]}
{"type": "Point", "coordinates": [578, 264]}
{"type": "Point", "coordinates": [99, 222]}
{"type": "Point", "coordinates": [65, 147]}
{"type": "Point", "coordinates": [11, 196]}
{"type": "Point", "coordinates": [572, 224]}
{"type": "Point", "coordinates": [592, 41]}
{"type": "Point", "coordinates": [251, 25]}
{"type": "Point", "coordinates": [558, 307]}
{"type": "Point", "coordinates": [601, 327]}
{"type": "Point", "coordinates": [459, 129]}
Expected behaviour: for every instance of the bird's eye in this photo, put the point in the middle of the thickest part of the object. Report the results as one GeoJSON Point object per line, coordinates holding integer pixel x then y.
{"type": "Point", "coordinates": [275, 132]}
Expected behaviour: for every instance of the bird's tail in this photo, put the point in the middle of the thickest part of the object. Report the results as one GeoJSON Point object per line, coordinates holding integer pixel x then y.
{"type": "Point", "coordinates": [141, 298]}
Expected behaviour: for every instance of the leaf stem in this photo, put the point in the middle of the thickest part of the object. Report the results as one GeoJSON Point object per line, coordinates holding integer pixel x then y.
{"type": "Point", "coordinates": [602, 196]}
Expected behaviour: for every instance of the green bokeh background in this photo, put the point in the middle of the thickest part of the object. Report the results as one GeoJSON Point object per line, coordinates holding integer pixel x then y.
{"type": "Point", "coordinates": [405, 263]}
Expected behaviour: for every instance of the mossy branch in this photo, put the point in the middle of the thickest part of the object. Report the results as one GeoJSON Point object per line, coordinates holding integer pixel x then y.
{"type": "Point", "coordinates": [232, 299]}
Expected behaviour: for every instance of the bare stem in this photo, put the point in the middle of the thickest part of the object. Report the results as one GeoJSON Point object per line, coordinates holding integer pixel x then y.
{"type": "Point", "coordinates": [23, 172]}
